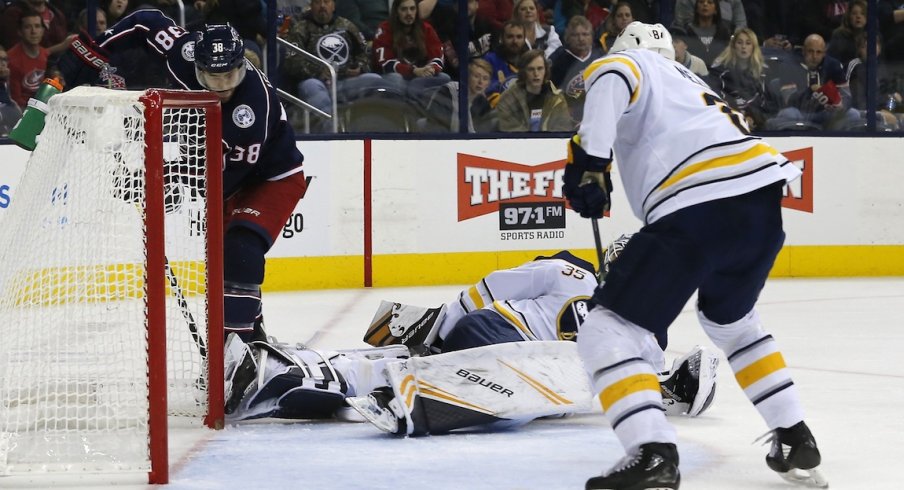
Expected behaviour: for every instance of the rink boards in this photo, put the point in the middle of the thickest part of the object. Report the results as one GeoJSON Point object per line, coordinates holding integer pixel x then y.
{"type": "Point", "coordinates": [417, 212]}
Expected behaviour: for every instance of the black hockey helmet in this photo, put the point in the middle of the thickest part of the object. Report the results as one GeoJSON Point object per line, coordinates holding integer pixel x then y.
{"type": "Point", "coordinates": [219, 57]}
{"type": "Point", "coordinates": [219, 48]}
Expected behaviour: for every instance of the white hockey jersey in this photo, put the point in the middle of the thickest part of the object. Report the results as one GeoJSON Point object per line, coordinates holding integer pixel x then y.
{"type": "Point", "coordinates": [675, 142]}
{"type": "Point", "coordinates": [543, 299]}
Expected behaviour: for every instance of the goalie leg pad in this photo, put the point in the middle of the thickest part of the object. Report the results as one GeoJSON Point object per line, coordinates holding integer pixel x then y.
{"type": "Point", "coordinates": [516, 381]}
{"type": "Point", "coordinates": [290, 384]}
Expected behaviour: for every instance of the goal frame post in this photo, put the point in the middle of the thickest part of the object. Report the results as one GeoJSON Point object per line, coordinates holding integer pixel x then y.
{"type": "Point", "coordinates": [155, 101]}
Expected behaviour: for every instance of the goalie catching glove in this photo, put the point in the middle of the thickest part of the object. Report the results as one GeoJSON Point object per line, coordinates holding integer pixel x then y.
{"type": "Point", "coordinates": [587, 184]}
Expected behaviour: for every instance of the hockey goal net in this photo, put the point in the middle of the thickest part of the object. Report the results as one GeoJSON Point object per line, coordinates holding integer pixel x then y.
{"type": "Point", "coordinates": [111, 284]}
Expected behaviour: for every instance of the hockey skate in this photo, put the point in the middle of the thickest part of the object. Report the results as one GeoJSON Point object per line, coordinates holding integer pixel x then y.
{"type": "Point", "coordinates": [795, 457]}
{"type": "Point", "coordinates": [653, 466]}
{"type": "Point", "coordinates": [377, 409]}
{"type": "Point", "coordinates": [240, 371]}
{"type": "Point", "coordinates": [689, 388]}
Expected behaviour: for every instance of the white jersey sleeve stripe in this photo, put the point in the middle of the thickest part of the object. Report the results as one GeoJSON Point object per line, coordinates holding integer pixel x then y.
{"type": "Point", "coordinates": [713, 163]}
{"type": "Point", "coordinates": [621, 65]}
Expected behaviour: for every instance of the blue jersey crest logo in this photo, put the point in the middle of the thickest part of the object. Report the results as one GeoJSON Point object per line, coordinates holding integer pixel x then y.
{"type": "Point", "coordinates": [243, 116]}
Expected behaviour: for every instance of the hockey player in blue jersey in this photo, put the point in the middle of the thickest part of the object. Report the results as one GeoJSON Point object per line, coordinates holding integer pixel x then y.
{"type": "Point", "coordinates": [709, 195]}
{"type": "Point", "coordinates": [263, 179]}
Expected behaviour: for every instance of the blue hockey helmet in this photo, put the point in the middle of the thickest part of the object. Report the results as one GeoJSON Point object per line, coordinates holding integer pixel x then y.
{"type": "Point", "coordinates": [219, 57]}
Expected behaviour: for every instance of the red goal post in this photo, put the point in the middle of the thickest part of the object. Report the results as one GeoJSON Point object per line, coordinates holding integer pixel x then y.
{"type": "Point", "coordinates": [111, 284]}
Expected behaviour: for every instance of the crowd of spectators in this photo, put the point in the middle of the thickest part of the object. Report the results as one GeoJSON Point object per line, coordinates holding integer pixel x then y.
{"type": "Point", "coordinates": [780, 65]}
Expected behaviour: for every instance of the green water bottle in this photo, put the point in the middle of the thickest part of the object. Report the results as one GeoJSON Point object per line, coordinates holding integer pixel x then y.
{"type": "Point", "coordinates": [25, 132]}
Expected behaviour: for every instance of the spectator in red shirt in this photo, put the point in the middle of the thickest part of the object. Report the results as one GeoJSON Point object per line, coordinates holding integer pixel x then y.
{"type": "Point", "coordinates": [27, 59]}
{"type": "Point", "coordinates": [55, 38]}
{"type": "Point", "coordinates": [408, 51]}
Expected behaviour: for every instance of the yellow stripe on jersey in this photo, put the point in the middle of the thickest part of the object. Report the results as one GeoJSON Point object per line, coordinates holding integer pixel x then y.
{"type": "Point", "coordinates": [760, 369]}
{"type": "Point", "coordinates": [713, 163]}
{"type": "Point", "coordinates": [513, 319]}
{"type": "Point", "coordinates": [632, 384]}
{"type": "Point", "coordinates": [474, 294]}
{"type": "Point", "coordinates": [623, 60]}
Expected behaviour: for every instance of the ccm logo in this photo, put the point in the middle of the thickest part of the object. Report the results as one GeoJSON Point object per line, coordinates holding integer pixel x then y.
{"type": "Point", "coordinates": [464, 373]}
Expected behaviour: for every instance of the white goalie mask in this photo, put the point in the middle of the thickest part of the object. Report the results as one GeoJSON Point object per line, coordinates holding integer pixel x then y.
{"type": "Point", "coordinates": [638, 35]}
{"type": "Point", "coordinates": [613, 250]}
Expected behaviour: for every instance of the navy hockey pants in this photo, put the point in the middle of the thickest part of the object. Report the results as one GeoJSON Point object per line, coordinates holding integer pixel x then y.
{"type": "Point", "coordinates": [723, 249]}
{"type": "Point", "coordinates": [479, 328]}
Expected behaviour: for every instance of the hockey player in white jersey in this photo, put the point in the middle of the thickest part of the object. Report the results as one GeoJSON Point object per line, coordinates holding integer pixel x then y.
{"type": "Point", "coordinates": [709, 195]}
{"type": "Point", "coordinates": [544, 299]}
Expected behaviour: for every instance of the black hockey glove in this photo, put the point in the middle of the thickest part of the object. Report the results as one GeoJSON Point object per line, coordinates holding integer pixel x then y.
{"type": "Point", "coordinates": [84, 61]}
{"type": "Point", "coordinates": [586, 183]}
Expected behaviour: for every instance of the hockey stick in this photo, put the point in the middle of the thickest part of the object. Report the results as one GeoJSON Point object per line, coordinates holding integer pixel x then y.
{"type": "Point", "coordinates": [600, 275]}
{"type": "Point", "coordinates": [183, 307]}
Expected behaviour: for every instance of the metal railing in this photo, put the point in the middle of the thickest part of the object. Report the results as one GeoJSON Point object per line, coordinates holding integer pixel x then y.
{"type": "Point", "coordinates": [308, 108]}
{"type": "Point", "coordinates": [181, 6]}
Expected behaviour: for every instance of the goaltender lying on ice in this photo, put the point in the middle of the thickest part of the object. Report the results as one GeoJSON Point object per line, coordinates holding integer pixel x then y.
{"type": "Point", "coordinates": [494, 356]}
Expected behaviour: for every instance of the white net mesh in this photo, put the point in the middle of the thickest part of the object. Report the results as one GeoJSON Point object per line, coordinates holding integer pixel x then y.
{"type": "Point", "coordinates": [73, 359]}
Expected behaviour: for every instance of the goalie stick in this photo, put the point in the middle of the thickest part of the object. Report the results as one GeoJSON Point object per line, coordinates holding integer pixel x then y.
{"type": "Point", "coordinates": [183, 307]}
{"type": "Point", "coordinates": [600, 273]}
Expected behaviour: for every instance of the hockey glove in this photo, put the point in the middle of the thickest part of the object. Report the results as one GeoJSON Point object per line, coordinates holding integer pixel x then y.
{"type": "Point", "coordinates": [89, 52]}
{"type": "Point", "coordinates": [84, 61]}
{"type": "Point", "coordinates": [586, 183]}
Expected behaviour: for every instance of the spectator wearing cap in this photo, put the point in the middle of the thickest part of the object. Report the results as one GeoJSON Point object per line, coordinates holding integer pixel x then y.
{"type": "Point", "coordinates": [337, 41]}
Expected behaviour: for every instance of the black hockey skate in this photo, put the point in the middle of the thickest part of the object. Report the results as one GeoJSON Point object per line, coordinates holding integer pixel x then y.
{"type": "Point", "coordinates": [653, 467]}
{"type": "Point", "coordinates": [795, 457]}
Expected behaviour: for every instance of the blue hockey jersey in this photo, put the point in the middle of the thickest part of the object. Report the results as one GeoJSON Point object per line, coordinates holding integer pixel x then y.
{"type": "Point", "coordinates": [258, 142]}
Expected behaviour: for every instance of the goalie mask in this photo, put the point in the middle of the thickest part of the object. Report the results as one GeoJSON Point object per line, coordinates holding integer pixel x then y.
{"type": "Point", "coordinates": [219, 58]}
{"type": "Point", "coordinates": [613, 250]}
{"type": "Point", "coordinates": [638, 35]}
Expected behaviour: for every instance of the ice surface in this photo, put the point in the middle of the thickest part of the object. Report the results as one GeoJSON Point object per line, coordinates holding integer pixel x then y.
{"type": "Point", "coordinates": [842, 340]}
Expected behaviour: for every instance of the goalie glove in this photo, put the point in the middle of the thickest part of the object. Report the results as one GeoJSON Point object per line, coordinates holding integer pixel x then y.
{"type": "Point", "coordinates": [586, 183]}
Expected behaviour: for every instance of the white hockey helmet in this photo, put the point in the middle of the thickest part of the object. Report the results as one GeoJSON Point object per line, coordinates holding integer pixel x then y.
{"type": "Point", "coordinates": [638, 35]}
